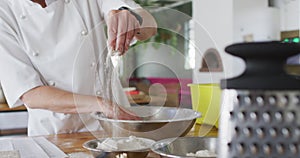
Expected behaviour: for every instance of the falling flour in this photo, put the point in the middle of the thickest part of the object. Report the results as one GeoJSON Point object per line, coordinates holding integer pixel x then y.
{"type": "Point", "coordinates": [202, 153]}
{"type": "Point", "coordinates": [111, 68]}
{"type": "Point", "coordinates": [126, 144]}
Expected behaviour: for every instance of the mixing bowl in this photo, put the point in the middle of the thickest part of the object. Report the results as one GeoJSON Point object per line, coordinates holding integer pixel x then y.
{"type": "Point", "coordinates": [98, 151]}
{"type": "Point", "coordinates": [157, 123]}
{"type": "Point", "coordinates": [181, 146]}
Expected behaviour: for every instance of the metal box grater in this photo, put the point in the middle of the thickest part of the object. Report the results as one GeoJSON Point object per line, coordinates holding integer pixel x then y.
{"type": "Point", "coordinates": [261, 108]}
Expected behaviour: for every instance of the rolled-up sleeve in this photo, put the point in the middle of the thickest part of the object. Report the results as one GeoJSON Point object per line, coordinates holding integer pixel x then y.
{"type": "Point", "coordinates": [108, 5]}
{"type": "Point", "coordinates": [17, 74]}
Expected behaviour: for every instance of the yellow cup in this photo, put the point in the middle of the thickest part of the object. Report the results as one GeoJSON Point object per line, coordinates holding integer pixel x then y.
{"type": "Point", "coordinates": [206, 100]}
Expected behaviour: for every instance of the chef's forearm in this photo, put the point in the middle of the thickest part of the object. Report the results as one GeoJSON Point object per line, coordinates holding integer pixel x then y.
{"type": "Point", "coordinates": [56, 100]}
{"type": "Point", "coordinates": [148, 27]}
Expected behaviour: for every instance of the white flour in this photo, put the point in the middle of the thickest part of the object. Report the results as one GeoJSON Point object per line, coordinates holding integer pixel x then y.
{"type": "Point", "coordinates": [123, 155]}
{"type": "Point", "coordinates": [111, 76]}
{"type": "Point", "coordinates": [130, 143]}
{"type": "Point", "coordinates": [202, 153]}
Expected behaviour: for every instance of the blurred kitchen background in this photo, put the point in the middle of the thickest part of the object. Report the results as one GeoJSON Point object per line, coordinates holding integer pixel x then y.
{"type": "Point", "coordinates": [192, 35]}
{"type": "Point", "coordinates": [189, 48]}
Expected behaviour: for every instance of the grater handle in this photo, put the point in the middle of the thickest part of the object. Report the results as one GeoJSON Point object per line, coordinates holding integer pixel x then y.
{"type": "Point", "coordinates": [265, 66]}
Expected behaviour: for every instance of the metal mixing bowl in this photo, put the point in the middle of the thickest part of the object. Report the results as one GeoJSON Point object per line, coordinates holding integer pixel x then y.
{"type": "Point", "coordinates": [179, 147]}
{"type": "Point", "coordinates": [95, 148]}
{"type": "Point", "coordinates": [157, 123]}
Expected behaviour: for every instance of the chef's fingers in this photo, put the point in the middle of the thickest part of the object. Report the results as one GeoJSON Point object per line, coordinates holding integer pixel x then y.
{"type": "Point", "coordinates": [118, 112]}
{"type": "Point", "coordinates": [114, 111]}
{"type": "Point", "coordinates": [123, 21]}
{"type": "Point", "coordinates": [121, 114]}
{"type": "Point", "coordinates": [129, 34]}
{"type": "Point", "coordinates": [137, 30]}
{"type": "Point", "coordinates": [124, 114]}
{"type": "Point", "coordinates": [112, 29]}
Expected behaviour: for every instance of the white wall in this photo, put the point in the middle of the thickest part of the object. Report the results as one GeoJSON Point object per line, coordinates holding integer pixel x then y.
{"type": "Point", "coordinates": [256, 19]}
{"type": "Point", "coordinates": [289, 14]}
{"type": "Point", "coordinates": [221, 23]}
{"type": "Point", "coordinates": [214, 29]}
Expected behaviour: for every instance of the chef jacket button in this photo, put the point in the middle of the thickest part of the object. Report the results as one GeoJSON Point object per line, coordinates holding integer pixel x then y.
{"type": "Point", "coordinates": [98, 93]}
{"type": "Point", "coordinates": [22, 16]}
{"type": "Point", "coordinates": [93, 64]}
{"type": "Point", "coordinates": [84, 32]}
{"type": "Point", "coordinates": [67, 1]}
{"type": "Point", "coordinates": [35, 54]}
{"type": "Point", "coordinates": [51, 83]}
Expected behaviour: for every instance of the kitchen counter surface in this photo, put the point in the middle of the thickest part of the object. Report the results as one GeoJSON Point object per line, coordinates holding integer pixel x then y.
{"type": "Point", "coordinates": [4, 108]}
{"type": "Point", "coordinates": [72, 143]}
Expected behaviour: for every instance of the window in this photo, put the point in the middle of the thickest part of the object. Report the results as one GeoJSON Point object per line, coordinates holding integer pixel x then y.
{"type": "Point", "coordinates": [190, 51]}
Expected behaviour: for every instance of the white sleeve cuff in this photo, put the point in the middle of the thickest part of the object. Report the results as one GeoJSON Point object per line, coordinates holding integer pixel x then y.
{"type": "Point", "coordinates": [107, 5]}
{"type": "Point", "coordinates": [14, 100]}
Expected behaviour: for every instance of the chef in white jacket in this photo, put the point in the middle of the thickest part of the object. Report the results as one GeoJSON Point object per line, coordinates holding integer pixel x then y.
{"type": "Point", "coordinates": [53, 58]}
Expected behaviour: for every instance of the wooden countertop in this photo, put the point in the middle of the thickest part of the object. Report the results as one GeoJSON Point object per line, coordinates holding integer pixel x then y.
{"type": "Point", "coordinates": [72, 143]}
{"type": "Point", "coordinates": [4, 108]}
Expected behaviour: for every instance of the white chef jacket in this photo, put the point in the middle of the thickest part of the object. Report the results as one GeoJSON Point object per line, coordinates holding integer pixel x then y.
{"type": "Point", "coordinates": [62, 45]}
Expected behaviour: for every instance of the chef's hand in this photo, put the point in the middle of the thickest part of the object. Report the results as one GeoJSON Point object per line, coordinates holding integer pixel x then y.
{"type": "Point", "coordinates": [114, 111]}
{"type": "Point", "coordinates": [122, 27]}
